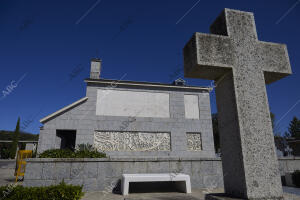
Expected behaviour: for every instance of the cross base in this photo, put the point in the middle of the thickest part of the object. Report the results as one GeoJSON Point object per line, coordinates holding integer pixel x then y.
{"type": "Point", "coordinates": [223, 196]}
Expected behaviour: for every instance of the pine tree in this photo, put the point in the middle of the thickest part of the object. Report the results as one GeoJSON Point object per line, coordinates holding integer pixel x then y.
{"type": "Point", "coordinates": [15, 141]}
{"type": "Point", "coordinates": [294, 128]}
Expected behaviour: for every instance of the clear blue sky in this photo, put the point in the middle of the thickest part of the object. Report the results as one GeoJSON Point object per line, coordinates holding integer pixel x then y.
{"type": "Point", "coordinates": [43, 42]}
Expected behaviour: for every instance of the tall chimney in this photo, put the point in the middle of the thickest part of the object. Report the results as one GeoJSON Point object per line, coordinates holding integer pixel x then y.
{"type": "Point", "coordinates": [95, 68]}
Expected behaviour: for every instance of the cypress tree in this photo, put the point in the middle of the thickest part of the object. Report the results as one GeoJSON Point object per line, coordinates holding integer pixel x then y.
{"type": "Point", "coordinates": [15, 141]}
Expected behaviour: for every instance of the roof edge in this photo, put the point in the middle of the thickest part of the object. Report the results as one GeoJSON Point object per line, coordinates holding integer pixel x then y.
{"type": "Point", "coordinates": [149, 84]}
{"type": "Point", "coordinates": [63, 109]}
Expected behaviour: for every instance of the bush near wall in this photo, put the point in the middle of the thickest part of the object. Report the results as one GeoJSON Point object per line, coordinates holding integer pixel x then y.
{"type": "Point", "coordinates": [4, 150]}
{"type": "Point", "coordinates": [67, 153]}
{"type": "Point", "coordinates": [296, 178]}
{"type": "Point", "coordinates": [54, 192]}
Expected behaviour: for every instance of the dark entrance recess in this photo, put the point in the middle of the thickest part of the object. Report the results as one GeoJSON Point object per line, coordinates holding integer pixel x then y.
{"type": "Point", "coordinates": [150, 187]}
{"type": "Point", "coordinates": [68, 138]}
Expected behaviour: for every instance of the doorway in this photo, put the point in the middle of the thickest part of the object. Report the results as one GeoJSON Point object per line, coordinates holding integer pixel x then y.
{"type": "Point", "coordinates": [67, 138]}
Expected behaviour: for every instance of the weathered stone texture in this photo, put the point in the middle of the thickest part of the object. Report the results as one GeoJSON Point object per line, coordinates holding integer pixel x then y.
{"type": "Point", "coordinates": [132, 141]}
{"type": "Point", "coordinates": [241, 65]}
{"type": "Point", "coordinates": [103, 174]}
{"type": "Point", "coordinates": [84, 120]}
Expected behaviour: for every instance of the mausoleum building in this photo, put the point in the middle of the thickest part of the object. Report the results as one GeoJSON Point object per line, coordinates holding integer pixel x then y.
{"type": "Point", "coordinates": [134, 119]}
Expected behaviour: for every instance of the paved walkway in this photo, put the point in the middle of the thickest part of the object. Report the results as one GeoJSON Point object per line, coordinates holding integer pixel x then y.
{"type": "Point", "coordinates": [195, 195]}
{"type": "Point", "coordinates": [291, 190]}
{"type": "Point", "coordinates": [7, 176]}
{"type": "Point", "coordinates": [7, 170]}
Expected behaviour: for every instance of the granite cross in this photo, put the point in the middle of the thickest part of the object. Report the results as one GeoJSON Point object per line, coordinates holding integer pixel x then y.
{"type": "Point", "coordinates": [241, 65]}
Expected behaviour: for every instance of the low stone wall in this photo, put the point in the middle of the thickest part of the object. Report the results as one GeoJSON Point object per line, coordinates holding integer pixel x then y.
{"type": "Point", "coordinates": [288, 165]}
{"type": "Point", "coordinates": [7, 163]}
{"type": "Point", "coordinates": [104, 174]}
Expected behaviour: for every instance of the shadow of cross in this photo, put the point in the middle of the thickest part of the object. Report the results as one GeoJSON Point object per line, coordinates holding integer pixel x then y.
{"type": "Point", "coordinates": [241, 64]}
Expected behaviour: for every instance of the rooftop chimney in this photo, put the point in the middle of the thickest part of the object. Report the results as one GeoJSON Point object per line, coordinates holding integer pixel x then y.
{"type": "Point", "coordinates": [179, 82]}
{"type": "Point", "coordinates": [95, 68]}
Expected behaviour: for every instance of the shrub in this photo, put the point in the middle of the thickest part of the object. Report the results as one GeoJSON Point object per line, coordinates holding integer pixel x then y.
{"type": "Point", "coordinates": [53, 192]}
{"type": "Point", "coordinates": [296, 178]}
{"type": "Point", "coordinates": [89, 154]}
{"type": "Point", "coordinates": [4, 151]}
{"type": "Point", "coordinates": [82, 151]}
{"type": "Point", "coordinates": [57, 153]}
{"type": "Point", "coordinates": [85, 147]}
{"type": "Point", "coordinates": [88, 151]}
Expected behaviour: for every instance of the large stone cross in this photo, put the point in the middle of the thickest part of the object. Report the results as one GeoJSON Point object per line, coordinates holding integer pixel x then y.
{"type": "Point", "coordinates": [241, 65]}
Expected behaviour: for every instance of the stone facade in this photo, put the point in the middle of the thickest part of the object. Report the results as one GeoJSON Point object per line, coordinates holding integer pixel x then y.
{"type": "Point", "coordinates": [103, 174]}
{"type": "Point", "coordinates": [84, 119]}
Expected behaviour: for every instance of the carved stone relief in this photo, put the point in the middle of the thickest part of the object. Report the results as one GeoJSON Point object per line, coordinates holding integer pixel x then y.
{"type": "Point", "coordinates": [194, 141]}
{"type": "Point", "coordinates": [131, 141]}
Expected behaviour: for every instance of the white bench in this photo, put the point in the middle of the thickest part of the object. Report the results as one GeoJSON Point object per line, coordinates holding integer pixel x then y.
{"type": "Point", "coordinates": [183, 180]}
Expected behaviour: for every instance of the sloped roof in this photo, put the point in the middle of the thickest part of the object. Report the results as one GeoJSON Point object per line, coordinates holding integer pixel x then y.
{"type": "Point", "coordinates": [63, 109]}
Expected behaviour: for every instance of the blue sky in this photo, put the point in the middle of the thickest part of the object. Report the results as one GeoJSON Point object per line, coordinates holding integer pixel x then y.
{"type": "Point", "coordinates": [46, 47]}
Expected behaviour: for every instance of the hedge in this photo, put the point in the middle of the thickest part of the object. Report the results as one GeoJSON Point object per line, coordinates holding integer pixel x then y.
{"type": "Point", "coordinates": [53, 192]}
{"type": "Point", "coordinates": [83, 151]}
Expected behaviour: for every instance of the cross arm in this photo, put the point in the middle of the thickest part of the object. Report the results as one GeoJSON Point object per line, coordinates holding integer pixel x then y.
{"type": "Point", "coordinates": [274, 60]}
{"type": "Point", "coordinates": [208, 56]}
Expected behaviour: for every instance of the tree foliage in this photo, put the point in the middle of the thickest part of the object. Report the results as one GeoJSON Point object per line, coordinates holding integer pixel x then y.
{"type": "Point", "coordinates": [294, 128]}
{"type": "Point", "coordinates": [15, 141]}
{"type": "Point", "coordinates": [5, 147]}
{"type": "Point", "coordinates": [8, 135]}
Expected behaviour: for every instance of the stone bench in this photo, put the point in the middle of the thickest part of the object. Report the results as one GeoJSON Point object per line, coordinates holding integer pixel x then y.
{"type": "Point", "coordinates": [183, 180]}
